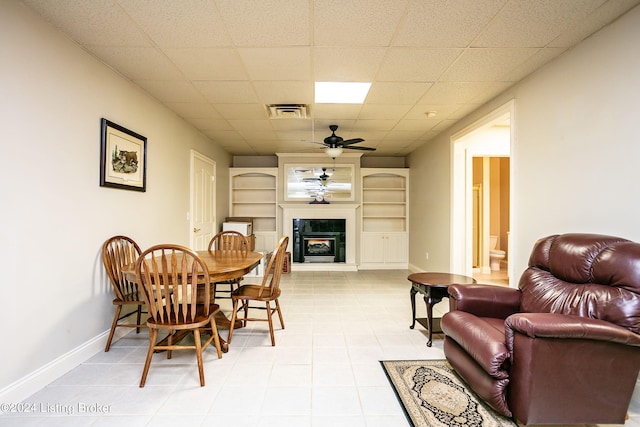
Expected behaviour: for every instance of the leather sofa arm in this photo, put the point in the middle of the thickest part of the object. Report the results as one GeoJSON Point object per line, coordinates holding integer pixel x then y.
{"type": "Point", "coordinates": [484, 300]}
{"type": "Point", "coordinates": [565, 326]}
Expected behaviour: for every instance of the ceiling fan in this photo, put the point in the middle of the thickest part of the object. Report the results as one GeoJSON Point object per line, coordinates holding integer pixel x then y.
{"type": "Point", "coordinates": [335, 144]}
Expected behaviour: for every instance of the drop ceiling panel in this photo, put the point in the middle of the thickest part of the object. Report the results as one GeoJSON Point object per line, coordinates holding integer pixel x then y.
{"type": "Point", "coordinates": [95, 23]}
{"type": "Point", "coordinates": [184, 23]}
{"type": "Point", "coordinates": [397, 92]}
{"type": "Point", "coordinates": [347, 64]}
{"type": "Point", "coordinates": [434, 23]}
{"type": "Point", "coordinates": [416, 65]}
{"type": "Point", "coordinates": [171, 91]}
{"type": "Point", "coordinates": [485, 65]}
{"type": "Point", "coordinates": [266, 22]}
{"type": "Point", "coordinates": [229, 92]}
{"type": "Point", "coordinates": [534, 23]}
{"type": "Point", "coordinates": [356, 22]}
{"type": "Point", "coordinates": [208, 63]}
{"type": "Point", "coordinates": [284, 92]}
{"type": "Point", "coordinates": [279, 63]}
{"type": "Point", "coordinates": [138, 63]}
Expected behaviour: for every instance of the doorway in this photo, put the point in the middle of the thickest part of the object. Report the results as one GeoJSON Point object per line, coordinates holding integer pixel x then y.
{"type": "Point", "coordinates": [202, 217]}
{"type": "Point", "coordinates": [489, 137]}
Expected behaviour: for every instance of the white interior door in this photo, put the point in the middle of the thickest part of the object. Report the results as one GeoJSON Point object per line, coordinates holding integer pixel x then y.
{"type": "Point", "coordinates": [203, 201]}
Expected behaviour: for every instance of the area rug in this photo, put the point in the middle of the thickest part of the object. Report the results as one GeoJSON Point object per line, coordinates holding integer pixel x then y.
{"type": "Point", "coordinates": [433, 395]}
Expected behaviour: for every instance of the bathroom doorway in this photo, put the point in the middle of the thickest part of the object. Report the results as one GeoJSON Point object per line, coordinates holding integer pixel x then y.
{"type": "Point", "coordinates": [487, 144]}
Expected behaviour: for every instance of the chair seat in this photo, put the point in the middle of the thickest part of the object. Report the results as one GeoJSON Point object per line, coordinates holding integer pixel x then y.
{"type": "Point", "coordinates": [201, 318]}
{"type": "Point", "coordinates": [133, 298]}
{"type": "Point", "coordinates": [253, 292]}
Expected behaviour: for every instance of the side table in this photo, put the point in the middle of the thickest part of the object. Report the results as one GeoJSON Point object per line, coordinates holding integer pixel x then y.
{"type": "Point", "coordinates": [434, 287]}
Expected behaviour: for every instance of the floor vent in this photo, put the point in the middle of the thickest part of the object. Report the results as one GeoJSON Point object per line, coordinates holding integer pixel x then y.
{"type": "Point", "coordinates": [288, 111]}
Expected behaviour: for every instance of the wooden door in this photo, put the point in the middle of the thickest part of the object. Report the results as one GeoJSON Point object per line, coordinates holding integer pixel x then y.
{"type": "Point", "coordinates": [203, 201]}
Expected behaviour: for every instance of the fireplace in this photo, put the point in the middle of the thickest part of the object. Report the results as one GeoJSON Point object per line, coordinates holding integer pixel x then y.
{"type": "Point", "coordinates": [319, 240]}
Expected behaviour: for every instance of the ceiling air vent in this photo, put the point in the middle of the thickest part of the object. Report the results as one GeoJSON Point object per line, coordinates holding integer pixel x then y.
{"type": "Point", "coordinates": [288, 111]}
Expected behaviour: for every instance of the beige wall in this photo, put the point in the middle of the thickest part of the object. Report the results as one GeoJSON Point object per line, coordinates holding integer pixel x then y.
{"type": "Point", "coordinates": [574, 159]}
{"type": "Point", "coordinates": [54, 214]}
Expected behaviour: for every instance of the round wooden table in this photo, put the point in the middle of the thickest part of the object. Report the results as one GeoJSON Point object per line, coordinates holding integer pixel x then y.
{"type": "Point", "coordinates": [222, 265]}
{"type": "Point", "coordinates": [434, 287]}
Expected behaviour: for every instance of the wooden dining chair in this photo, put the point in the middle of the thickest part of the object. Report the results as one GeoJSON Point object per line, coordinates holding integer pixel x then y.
{"type": "Point", "coordinates": [267, 292]}
{"type": "Point", "coordinates": [228, 241]}
{"type": "Point", "coordinates": [118, 252]}
{"type": "Point", "coordinates": [176, 287]}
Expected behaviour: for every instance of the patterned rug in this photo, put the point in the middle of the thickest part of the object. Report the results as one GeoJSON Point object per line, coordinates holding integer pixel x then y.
{"type": "Point", "coordinates": [433, 395]}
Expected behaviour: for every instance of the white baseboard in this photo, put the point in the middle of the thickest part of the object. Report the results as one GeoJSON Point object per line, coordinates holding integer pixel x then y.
{"type": "Point", "coordinates": [36, 380]}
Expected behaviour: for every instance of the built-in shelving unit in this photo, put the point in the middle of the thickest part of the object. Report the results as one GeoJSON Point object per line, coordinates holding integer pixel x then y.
{"type": "Point", "coordinates": [385, 205]}
{"type": "Point", "coordinates": [253, 193]}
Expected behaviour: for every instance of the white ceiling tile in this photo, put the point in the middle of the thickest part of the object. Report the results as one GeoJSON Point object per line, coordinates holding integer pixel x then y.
{"type": "Point", "coordinates": [184, 23]}
{"type": "Point", "coordinates": [416, 65]}
{"type": "Point", "coordinates": [371, 125]}
{"type": "Point", "coordinates": [168, 91]}
{"type": "Point", "coordinates": [224, 135]}
{"type": "Point", "coordinates": [96, 22]}
{"type": "Point", "coordinates": [396, 92]}
{"type": "Point", "coordinates": [194, 110]}
{"type": "Point", "coordinates": [480, 64]}
{"type": "Point", "coordinates": [291, 126]}
{"type": "Point", "coordinates": [436, 23]}
{"type": "Point", "coordinates": [227, 92]}
{"type": "Point", "coordinates": [208, 63]}
{"type": "Point", "coordinates": [210, 124]}
{"type": "Point", "coordinates": [267, 22]}
{"type": "Point", "coordinates": [138, 63]}
{"type": "Point", "coordinates": [346, 64]}
{"type": "Point", "coordinates": [280, 63]}
{"type": "Point", "coordinates": [356, 22]}
{"type": "Point", "coordinates": [525, 23]}
{"type": "Point", "coordinates": [380, 111]}
{"type": "Point", "coordinates": [419, 111]}
{"type": "Point", "coordinates": [242, 111]}
{"type": "Point", "coordinates": [457, 92]}
{"type": "Point", "coordinates": [336, 111]}
{"type": "Point", "coordinates": [284, 92]}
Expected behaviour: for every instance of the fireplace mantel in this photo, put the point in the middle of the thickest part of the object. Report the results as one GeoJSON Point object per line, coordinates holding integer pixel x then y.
{"type": "Point", "coordinates": [346, 211]}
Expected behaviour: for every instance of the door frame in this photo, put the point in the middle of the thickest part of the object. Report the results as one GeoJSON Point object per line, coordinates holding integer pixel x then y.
{"type": "Point", "coordinates": [463, 149]}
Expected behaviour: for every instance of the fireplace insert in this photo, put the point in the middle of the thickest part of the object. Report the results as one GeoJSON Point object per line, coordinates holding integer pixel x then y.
{"type": "Point", "coordinates": [319, 240]}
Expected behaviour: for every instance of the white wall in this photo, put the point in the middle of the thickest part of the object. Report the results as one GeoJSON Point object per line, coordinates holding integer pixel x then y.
{"type": "Point", "coordinates": [54, 215]}
{"type": "Point", "coordinates": [574, 159]}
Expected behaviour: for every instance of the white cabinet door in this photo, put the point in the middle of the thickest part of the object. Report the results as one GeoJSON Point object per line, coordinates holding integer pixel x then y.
{"type": "Point", "coordinates": [372, 248]}
{"type": "Point", "coordinates": [396, 248]}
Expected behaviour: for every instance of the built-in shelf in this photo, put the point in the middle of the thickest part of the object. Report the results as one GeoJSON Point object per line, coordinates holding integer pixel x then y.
{"type": "Point", "coordinates": [253, 193]}
{"type": "Point", "coordinates": [385, 205]}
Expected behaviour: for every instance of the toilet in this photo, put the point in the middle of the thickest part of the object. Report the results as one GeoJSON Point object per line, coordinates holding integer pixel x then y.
{"type": "Point", "coordinates": [495, 255]}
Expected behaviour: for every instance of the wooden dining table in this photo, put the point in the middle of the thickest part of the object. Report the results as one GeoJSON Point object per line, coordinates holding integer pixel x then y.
{"type": "Point", "coordinates": [222, 265]}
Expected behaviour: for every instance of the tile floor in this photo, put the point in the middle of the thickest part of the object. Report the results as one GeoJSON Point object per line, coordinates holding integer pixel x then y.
{"type": "Point", "coordinates": [323, 371]}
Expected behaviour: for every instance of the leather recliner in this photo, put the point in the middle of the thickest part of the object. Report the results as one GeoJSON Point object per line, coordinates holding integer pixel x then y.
{"type": "Point", "coordinates": [564, 348]}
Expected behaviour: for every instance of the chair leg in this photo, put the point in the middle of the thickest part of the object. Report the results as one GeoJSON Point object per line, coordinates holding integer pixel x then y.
{"type": "Point", "coordinates": [233, 320]}
{"type": "Point", "coordinates": [196, 338]}
{"type": "Point", "coordinates": [279, 313]}
{"type": "Point", "coordinates": [113, 327]}
{"type": "Point", "coordinates": [153, 335]}
{"type": "Point", "coordinates": [216, 336]}
{"type": "Point", "coordinates": [169, 343]}
{"type": "Point", "coordinates": [270, 319]}
{"type": "Point", "coordinates": [139, 318]}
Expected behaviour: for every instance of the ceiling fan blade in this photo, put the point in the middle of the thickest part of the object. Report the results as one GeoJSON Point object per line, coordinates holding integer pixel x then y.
{"type": "Point", "coordinates": [351, 141]}
{"type": "Point", "coordinates": [359, 148]}
{"type": "Point", "coordinates": [312, 142]}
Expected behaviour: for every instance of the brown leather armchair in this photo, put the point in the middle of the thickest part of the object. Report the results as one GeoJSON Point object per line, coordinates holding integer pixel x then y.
{"type": "Point", "coordinates": [564, 347]}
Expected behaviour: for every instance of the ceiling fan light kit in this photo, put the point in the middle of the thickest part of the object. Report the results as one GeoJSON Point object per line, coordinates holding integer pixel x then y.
{"type": "Point", "coordinates": [333, 152]}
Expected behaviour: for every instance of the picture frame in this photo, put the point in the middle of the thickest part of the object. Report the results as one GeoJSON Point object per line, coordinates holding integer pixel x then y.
{"type": "Point", "coordinates": [123, 158]}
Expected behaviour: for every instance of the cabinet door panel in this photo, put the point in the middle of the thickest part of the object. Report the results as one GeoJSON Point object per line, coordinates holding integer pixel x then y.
{"type": "Point", "coordinates": [396, 248]}
{"type": "Point", "coordinates": [373, 247]}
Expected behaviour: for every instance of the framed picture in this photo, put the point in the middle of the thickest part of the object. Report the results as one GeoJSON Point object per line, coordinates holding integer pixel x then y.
{"type": "Point", "coordinates": [123, 158]}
